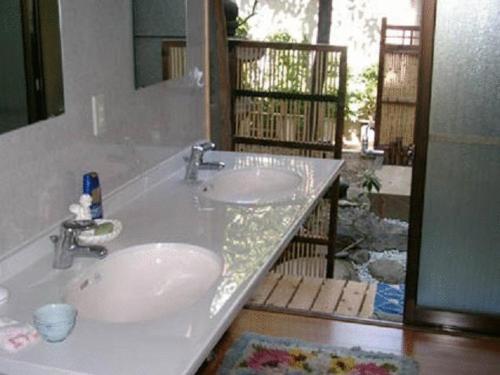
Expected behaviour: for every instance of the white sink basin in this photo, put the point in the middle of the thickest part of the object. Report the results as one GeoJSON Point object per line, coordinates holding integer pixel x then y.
{"type": "Point", "coordinates": [144, 282]}
{"type": "Point", "coordinates": [252, 186]}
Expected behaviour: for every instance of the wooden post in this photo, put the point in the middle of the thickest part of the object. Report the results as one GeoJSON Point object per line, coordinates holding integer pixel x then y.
{"type": "Point", "coordinates": [234, 67]}
{"type": "Point", "coordinates": [221, 69]}
{"type": "Point", "coordinates": [334, 191]}
{"type": "Point", "coordinates": [332, 228]}
{"type": "Point", "coordinates": [341, 102]}
{"type": "Point", "coordinates": [380, 83]}
{"type": "Point", "coordinates": [165, 55]}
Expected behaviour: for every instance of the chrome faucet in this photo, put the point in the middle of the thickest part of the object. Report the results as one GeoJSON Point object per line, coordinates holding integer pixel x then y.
{"type": "Point", "coordinates": [195, 161]}
{"type": "Point", "coordinates": [66, 245]}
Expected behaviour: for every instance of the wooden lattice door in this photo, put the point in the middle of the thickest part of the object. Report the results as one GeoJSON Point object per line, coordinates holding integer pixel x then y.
{"type": "Point", "coordinates": [397, 91]}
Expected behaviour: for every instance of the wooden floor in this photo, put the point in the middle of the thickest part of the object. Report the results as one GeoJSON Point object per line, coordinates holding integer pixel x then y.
{"type": "Point", "coordinates": [314, 296]}
{"type": "Point", "coordinates": [437, 354]}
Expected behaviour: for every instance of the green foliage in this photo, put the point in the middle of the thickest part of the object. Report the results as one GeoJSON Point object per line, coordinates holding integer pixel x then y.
{"type": "Point", "coordinates": [371, 181]}
{"type": "Point", "coordinates": [296, 67]}
{"type": "Point", "coordinates": [281, 36]}
{"type": "Point", "coordinates": [362, 94]}
{"type": "Point", "coordinates": [243, 28]}
{"type": "Point", "coordinates": [361, 89]}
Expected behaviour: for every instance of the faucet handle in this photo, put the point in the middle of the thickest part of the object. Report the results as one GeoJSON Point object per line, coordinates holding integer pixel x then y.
{"type": "Point", "coordinates": [201, 148]}
{"type": "Point", "coordinates": [207, 146]}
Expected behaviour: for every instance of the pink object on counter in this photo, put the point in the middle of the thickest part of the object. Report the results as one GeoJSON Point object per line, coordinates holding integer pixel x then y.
{"type": "Point", "coordinates": [15, 336]}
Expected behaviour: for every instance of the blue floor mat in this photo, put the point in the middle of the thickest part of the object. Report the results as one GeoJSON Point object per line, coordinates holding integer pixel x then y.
{"type": "Point", "coordinates": [389, 301]}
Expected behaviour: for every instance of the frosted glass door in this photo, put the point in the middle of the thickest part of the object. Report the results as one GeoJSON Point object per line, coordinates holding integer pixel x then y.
{"type": "Point", "coordinates": [460, 253]}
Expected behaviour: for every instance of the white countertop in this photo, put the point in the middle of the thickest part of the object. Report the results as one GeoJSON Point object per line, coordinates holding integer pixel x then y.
{"type": "Point", "coordinates": [160, 207]}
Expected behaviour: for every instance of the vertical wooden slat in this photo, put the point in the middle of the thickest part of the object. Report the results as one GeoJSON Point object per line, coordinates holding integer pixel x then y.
{"type": "Point", "coordinates": [380, 83]}
{"type": "Point", "coordinates": [342, 92]}
{"type": "Point", "coordinates": [165, 53]}
{"type": "Point", "coordinates": [332, 230]}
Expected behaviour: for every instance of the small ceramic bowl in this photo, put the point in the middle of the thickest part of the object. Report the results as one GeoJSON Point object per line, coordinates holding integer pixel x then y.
{"type": "Point", "coordinates": [54, 321]}
{"type": "Point", "coordinates": [88, 238]}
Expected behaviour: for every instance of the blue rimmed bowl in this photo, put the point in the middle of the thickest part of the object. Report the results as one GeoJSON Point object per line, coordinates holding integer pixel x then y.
{"type": "Point", "coordinates": [55, 321]}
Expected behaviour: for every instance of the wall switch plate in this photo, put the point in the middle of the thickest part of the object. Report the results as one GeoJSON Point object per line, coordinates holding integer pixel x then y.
{"type": "Point", "coordinates": [98, 114]}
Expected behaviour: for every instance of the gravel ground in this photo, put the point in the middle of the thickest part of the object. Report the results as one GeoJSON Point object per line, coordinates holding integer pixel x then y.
{"type": "Point", "coordinates": [385, 238]}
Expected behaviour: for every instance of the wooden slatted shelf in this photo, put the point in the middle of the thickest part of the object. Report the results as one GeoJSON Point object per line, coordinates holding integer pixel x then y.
{"type": "Point", "coordinates": [314, 296]}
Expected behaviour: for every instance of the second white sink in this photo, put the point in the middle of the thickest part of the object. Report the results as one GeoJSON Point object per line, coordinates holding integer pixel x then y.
{"type": "Point", "coordinates": [144, 282]}
{"type": "Point", "coordinates": [252, 186]}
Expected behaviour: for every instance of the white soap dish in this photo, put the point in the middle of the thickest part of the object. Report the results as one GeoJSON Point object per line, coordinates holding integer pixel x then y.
{"type": "Point", "coordinates": [89, 238]}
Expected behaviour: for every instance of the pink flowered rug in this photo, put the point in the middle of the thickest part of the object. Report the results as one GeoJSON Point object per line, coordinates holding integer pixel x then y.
{"type": "Point", "coordinates": [257, 354]}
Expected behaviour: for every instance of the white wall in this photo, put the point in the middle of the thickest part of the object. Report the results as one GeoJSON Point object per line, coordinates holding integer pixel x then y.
{"type": "Point", "coordinates": [41, 165]}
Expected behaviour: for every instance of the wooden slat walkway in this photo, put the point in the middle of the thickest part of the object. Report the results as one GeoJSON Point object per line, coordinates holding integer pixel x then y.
{"type": "Point", "coordinates": [314, 296]}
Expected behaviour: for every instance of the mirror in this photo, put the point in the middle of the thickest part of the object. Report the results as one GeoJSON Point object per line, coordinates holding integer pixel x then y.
{"type": "Point", "coordinates": [159, 40]}
{"type": "Point", "coordinates": [31, 82]}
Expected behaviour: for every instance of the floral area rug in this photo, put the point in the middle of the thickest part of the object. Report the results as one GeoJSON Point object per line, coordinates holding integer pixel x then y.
{"type": "Point", "coordinates": [256, 354]}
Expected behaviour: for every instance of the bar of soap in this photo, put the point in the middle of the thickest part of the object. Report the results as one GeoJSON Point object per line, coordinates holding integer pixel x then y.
{"type": "Point", "coordinates": [104, 228]}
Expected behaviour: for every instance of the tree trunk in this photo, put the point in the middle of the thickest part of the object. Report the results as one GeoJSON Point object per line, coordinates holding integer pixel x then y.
{"type": "Point", "coordinates": [319, 65]}
{"type": "Point", "coordinates": [324, 21]}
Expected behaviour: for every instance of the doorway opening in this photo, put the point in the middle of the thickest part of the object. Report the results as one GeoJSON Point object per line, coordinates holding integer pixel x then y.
{"type": "Point", "coordinates": [355, 101]}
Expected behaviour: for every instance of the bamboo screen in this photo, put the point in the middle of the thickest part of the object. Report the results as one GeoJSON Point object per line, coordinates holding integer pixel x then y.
{"type": "Point", "coordinates": [397, 90]}
{"type": "Point", "coordinates": [288, 99]}
{"type": "Point", "coordinates": [287, 93]}
{"type": "Point", "coordinates": [174, 59]}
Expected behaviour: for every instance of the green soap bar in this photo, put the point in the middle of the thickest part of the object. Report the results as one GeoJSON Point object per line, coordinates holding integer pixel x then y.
{"type": "Point", "coordinates": [104, 228]}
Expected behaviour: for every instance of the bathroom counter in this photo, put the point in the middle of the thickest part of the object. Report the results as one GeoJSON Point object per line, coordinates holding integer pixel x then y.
{"type": "Point", "coordinates": [160, 206]}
